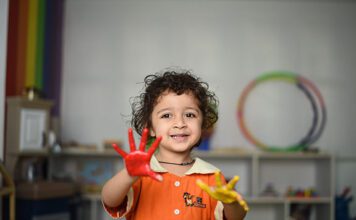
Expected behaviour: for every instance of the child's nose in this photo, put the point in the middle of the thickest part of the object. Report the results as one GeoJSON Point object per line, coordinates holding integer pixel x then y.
{"type": "Point", "coordinates": [179, 122]}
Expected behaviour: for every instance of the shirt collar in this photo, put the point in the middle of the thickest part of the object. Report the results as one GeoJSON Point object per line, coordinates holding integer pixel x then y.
{"type": "Point", "coordinates": [199, 167]}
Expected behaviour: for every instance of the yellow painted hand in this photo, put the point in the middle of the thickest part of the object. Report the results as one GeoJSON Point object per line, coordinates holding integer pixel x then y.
{"type": "Point", "coordinates": [224, 193]}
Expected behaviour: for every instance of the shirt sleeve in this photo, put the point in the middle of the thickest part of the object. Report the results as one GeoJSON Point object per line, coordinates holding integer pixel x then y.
{"type": "Point", "coordinates": [219, 211]}
{"type": "Point", "coordinates": [128, 204]}
{"type": "Point", "coordinates": [124, 208]}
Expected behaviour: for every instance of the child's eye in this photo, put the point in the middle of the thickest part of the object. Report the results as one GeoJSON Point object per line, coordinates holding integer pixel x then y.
{"type": "Point", "coordinates": [190, 115]}
{"type": "Point", "coordinates": [166, 115]}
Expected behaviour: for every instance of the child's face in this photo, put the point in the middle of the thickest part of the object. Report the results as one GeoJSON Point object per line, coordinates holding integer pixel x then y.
{"type": "Point", "coordinates": [178, 119]}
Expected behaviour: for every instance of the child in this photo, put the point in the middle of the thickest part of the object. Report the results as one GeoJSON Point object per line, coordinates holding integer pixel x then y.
{"type": "Point", "coordinates": [173, 111]}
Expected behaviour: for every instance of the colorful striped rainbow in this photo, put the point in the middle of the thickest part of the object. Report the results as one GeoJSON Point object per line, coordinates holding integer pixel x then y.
{"type": "Point", "coordinates": [34, 48]}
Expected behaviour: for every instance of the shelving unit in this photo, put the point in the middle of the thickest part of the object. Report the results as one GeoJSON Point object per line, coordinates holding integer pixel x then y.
{"type": "Point", "coordinates": [256, 170]}
{"type": "Point", "coordinates": [282, 170]}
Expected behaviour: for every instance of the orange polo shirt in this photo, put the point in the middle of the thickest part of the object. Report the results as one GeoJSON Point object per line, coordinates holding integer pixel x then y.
{"type": "Point", "coordinates": [173, 198]}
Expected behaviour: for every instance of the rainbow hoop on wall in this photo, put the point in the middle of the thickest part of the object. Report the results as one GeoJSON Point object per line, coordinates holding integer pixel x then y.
{"type": "Point", "coordinates": [311, 92]}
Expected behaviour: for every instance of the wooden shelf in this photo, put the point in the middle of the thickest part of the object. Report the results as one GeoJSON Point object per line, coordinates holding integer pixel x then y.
{"type": "Point", "coordinates": [223, 153]}
{"type": "Point", "coordinates": [31, 153]}
{"type": "Point", "coordinates": [316, 200]}
{"type": "Point", "coordinates": [276, 200]}
{"type": "Point", "coordinates": [265, 200]}
{"type": "Point", "coordinates": [294, 155]}
{"type": "Point", "coordinates": [92, 196]}
{"type": "Point", "coordinates": [80, 152]}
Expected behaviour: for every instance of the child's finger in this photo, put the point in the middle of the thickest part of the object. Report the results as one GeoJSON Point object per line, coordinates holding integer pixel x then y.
{"type": "Point", "coordinates": [218, 178]}
{"type": "Point", "coordinates": [119, 150]}
{"type": "Point", "coordinates": [155, 176]}
{"type": "Point", "coordinates": [232, 183]}
{"type": "Point", "coordinates": [143, 139]}
{"type": "Point", "coordinates": [154, 146]}
{"type": "Point", "coordinates": [131, 141]}
{"type": "Point", "coordinates": [204, 186]}
{"type": "Point", "coordinates": [242, 202]}
{"type": "Point", "coordinates": [244, 205]}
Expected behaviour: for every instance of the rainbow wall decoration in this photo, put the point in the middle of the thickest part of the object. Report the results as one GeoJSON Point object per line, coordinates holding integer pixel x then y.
{"type": "Point", "coordinates": [34, 48]}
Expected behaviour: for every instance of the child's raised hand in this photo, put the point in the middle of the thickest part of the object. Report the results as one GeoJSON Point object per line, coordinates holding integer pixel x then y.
{"type": "Point", "coordinates": [138, 161]}
{"type": "Point", "coordinates": [224, 193]}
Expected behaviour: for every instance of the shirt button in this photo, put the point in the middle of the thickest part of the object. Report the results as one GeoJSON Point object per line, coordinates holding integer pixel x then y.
{"type": "Point", "coordinates": [176, 211]}
{"type": "Point", "coordinates": [177, 183]}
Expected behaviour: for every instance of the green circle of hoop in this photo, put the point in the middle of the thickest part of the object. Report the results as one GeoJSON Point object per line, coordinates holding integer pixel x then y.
{"type": "Point", "coordinates": [311, 92]}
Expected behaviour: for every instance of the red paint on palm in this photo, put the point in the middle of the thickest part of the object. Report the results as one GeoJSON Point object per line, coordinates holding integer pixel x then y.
{"type": "Point", "coordinates": [137, 162]}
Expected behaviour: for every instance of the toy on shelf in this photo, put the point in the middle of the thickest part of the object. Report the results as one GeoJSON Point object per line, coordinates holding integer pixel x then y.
{"type": "Point", "coordinates": [206, 136]}
{"type": "Point", "coordinates": [301, 192]}
{"type": "Point", "coordinates": [269, 191]}
{"type": "Point", "coordinates": [342, 203]}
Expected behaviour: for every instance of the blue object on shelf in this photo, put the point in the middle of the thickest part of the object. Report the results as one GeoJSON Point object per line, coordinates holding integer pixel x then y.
{"type": "Point", "coordinates": [205, 144]}
{"type": "Point", "coordinates": [342, 203]}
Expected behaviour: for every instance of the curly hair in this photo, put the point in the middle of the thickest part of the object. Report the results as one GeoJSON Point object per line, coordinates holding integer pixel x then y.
{"type": "Point", "coordinates": [178, 82]}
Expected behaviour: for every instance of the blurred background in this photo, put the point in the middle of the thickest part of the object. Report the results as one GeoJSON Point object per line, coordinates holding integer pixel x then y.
{"type": "Point", "coordinates": [90, 57]}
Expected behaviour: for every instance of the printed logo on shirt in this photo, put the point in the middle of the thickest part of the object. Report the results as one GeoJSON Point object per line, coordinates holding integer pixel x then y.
{"type": "Point", "coordinates": [193, 201]}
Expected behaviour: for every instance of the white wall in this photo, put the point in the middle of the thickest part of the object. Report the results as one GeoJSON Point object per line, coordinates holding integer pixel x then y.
{"type": "Point", "coordinates": [4, 4]}
{"type": "Point", "coordinates": [109, 46]}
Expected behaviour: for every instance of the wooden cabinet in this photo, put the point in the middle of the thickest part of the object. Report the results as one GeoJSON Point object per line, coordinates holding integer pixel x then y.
{"type": "Point", "coordinates": [27, 121]}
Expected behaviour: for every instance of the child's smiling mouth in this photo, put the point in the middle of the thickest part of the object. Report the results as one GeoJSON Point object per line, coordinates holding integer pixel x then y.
{"type": "Point", "coordinates": [179, 137]}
